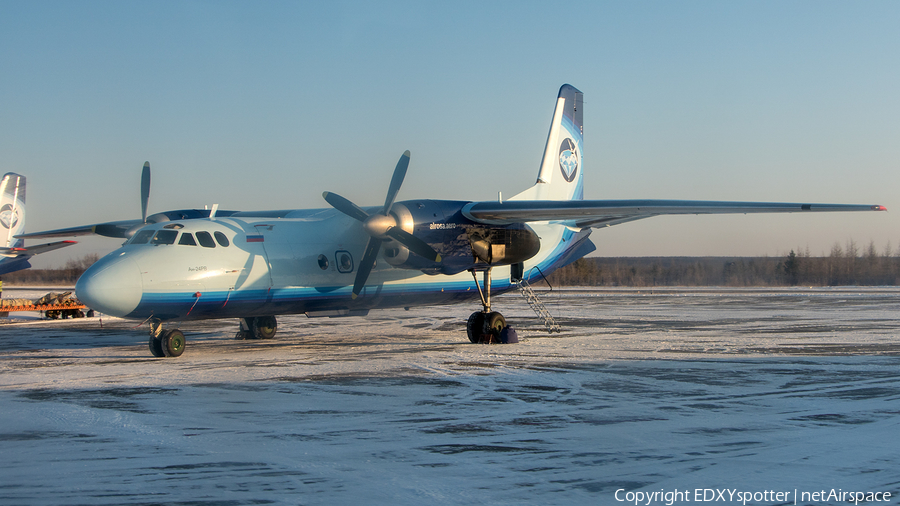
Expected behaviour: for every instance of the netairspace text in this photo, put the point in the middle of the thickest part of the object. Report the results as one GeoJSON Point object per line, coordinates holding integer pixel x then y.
{"type": "Point", "coordinates": [729, 495]}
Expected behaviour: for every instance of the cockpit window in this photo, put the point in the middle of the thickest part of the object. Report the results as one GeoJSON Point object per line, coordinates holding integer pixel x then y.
{"type": "Point", "coordinates": [205, 240]}
{"type": "Point", "coordinates": [221, 239]}
{"type": "Point", "coordinates": [142, 237]}
{"type": "Point", "coordinates": [165, 237]}
{"type": "Point", "coordinates": [187, 239]}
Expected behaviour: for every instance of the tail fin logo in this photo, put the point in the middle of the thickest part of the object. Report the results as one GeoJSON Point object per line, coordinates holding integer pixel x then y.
{"type": "Point", "coordinates": [568, 159]}
{"type": "Point", "coordinates": [9, 217]}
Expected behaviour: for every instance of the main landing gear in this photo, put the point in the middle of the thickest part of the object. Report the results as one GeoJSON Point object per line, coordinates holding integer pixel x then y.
{"type": "Point", "coordinates": [171, 342]}
{"type": "Point", "coordinates": [485, 326]}
{"type": "Point", "coordinates": [257, 327]}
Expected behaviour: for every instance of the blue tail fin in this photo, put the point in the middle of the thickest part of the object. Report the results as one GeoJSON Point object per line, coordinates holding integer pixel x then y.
{"type": "Point", "coordinates": [560, 175]}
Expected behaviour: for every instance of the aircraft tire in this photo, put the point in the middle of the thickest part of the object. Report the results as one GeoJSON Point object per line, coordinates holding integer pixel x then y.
{"type": "Point", "coordinates": [264, 327]}
{"type": "Point", "coordinates": [493, 324]}
{"type": "Point", "coordinates": [156, 346]}
{"type": "Point", "coordinates": [475, 327]}
{"type": "Point", "coordinates": [246, 329]}
{"type": "Point", "coordinates": [173, 342]}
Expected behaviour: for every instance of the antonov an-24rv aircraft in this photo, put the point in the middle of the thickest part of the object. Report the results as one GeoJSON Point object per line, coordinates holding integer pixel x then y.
{"type": "Point", "coordinates": [347, 260]}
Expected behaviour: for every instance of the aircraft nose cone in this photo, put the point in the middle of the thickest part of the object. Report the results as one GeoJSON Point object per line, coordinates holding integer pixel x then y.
{"type": "Point", "coordinates": [112, 286]}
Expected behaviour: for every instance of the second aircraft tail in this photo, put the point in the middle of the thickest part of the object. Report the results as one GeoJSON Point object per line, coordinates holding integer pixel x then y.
{"type": "Point", "coordinates": [12, 209]}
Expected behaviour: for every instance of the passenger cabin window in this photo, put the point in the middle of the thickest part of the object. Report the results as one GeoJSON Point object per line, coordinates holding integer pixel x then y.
{"type": "Point", "coordinates": [142, 237]}
{"type": "Point", "coordinates": [221, 239]}
{"type": "Point", "coordinates": [205, 240]}
{"type": "Point", "coordinates": [165, 237]}
{"type": "Point", "coordinates": [187, 239]}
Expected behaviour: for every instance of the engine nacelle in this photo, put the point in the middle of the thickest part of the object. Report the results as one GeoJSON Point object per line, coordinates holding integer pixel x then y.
{"type": "Point", "coordinates": [462, 243]}
{"type": "Point", "coordinates": [504, 246]}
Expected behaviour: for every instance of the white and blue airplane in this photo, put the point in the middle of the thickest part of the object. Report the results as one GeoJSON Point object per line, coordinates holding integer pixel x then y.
{"type": "Point", "coordinates": [14, 256]}
{"type": "Point", "coordinates": [347, 260]}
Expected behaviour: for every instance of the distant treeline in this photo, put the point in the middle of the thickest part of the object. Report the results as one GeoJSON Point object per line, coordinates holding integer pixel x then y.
{"type": "Point", "coordinates": [843, 266]}
{"type": "Point", "coordinates": [66, 276]}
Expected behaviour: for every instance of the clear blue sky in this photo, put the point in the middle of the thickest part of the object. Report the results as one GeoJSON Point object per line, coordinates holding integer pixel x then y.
{"type": "Point", "coordinates": [264, 105]}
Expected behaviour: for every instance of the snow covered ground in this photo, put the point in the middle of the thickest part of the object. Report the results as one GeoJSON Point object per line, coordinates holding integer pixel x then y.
{"type": "Point", "coordinates": [754, 391]}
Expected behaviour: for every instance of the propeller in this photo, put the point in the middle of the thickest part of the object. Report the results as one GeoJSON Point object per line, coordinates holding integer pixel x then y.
{"type": "Point", "coordinates": [125, 229]}
{"type": "Point", "coordinates": [113, 229]}
{"type": "Point", "coordinates": [381, 226]}
{"type": "Point", "coordinates": [145, 191]}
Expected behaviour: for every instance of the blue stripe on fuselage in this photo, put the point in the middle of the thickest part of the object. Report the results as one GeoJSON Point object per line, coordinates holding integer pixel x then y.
{"type": "Point", "coordinates": [244, 303]}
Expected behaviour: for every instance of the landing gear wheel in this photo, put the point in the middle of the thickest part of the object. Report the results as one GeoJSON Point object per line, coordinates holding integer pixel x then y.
{"type": "Point", "coordinates": [246, 330]}
{"type": "Point", "coordinates": [172, 343]}
{"type": "Point", "coordinates": [493, 325]}
{"type": "Point", "coordinates": [485, 327]}
{"type": "Point", "coordinates": [263, 327]}
{"type": "Point", "coordinates": [156, 346]}
{"type": "Point", "coordinates": [475, 327]}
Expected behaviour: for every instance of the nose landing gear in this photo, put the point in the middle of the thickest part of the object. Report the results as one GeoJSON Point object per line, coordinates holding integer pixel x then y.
{"type": "Point", "coordinates": [166, 343]}
{"type": "Point", "coordinates": [171, 342]}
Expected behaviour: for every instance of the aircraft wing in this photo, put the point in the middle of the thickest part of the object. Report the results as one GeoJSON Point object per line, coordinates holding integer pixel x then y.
{"type": "Point", "coordinates": [604, 213]}
{"type": "Point", "coordinates": [124, 228]}
{"type": "Point", "coordinates": [33, 250]}
{"type": "Point", "coordinates": [108, 229]}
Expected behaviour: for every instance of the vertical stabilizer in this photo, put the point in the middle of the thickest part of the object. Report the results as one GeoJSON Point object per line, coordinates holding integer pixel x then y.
{"type": "Point", "coordinates": [13, 253]}
{"type": "Point", "coordinates": [560, 175]}
{"type": "Point", "coordinates": [12, 209]}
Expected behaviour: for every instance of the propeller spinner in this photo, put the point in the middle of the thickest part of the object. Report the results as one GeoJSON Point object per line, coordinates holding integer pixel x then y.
{"type": "Point", "coordinates": [382, 226]}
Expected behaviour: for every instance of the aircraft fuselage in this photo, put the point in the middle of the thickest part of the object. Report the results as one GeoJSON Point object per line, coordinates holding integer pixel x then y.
{"type": "Point", "coordinates": [303, 261]}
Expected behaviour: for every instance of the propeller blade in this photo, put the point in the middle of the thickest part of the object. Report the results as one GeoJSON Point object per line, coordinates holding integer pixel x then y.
{"type": "Point", "coordinates": [396, 182]}
{"type": "Point", "coordinates": [416, 245]}
{"type": "Point", "coordinates": [365, 265]}
{"type": "Point", "coordinates": [345, 206]}
{"type": "Point", "coordinates": [145, 191]}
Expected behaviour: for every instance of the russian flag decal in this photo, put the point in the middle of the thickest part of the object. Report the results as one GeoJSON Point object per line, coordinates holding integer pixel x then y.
{"type": "Point", "coordinates": [255, 238]}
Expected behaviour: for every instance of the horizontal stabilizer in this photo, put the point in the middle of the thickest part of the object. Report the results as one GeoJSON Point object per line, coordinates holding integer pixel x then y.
{"type": "Point", "coordinates": [33, 250]}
